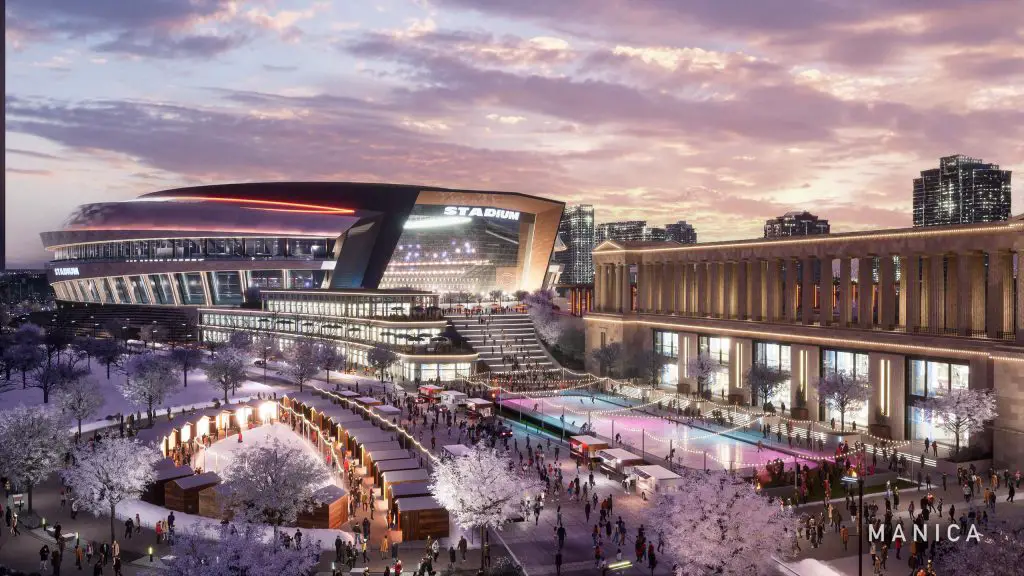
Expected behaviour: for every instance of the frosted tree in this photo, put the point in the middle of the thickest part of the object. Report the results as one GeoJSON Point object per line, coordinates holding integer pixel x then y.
{"type": "Point", "coordinates": [990, 554]}
{"type": "Point", "coordinates": [607, 357]}
{"type": "Point", "coordinates": [108, 352]}
{"type": "Point", "coordinates": [186, 359]}
{"type": "Point", "coordinates": [844, 393]}
{"type": "Point", "coordinates": [481, 491]}
{"type": "Point", "coordinates": [330, 358]}
{"type": "Point", "coordinates": [302, 362]}
{"type": "Point", "coordinates": [149, 380]}
{"type": "Point", "coordinates": [702, 368]}
{"type": "Point", "coordinates": [236, 549]}
{"type": "Point", "coordinates": [109, 472]}
{"type": "Point", "coordinates": [765, 382]}
{"type": "Point", "coordinates": [56, 375]}
{"type": "Point", "coordinates": [272, 483]}
{"type": "Point", "coordinates": [227, 370]}
{"type": "Point", "coordinates": [546, 321]}
{"type": "Point", "coordinates": [80, 399]}
{"type": "Point", "coordinates": [381, 358]}
{"type": "Point", "coordinates": [961, 411]}
{"type": "Point", "coordinates": [23, 358]}
{"type": "Point", "coordinates": [33, 442]}
{"type": "Point", "coordinates": [715, 524]}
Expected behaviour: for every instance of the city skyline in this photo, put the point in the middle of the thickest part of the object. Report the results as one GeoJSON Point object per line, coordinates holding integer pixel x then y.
{"type": "Point", "coordinates": [724, 116]}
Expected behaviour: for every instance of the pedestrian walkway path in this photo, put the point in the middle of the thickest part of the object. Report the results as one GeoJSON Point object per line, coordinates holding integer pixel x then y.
{"type": "Point", "coordinates": [504, 335]}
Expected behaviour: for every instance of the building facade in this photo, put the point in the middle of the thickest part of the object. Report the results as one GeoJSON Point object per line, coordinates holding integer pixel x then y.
{"type": "Point", "coordinates": [210, 245]}
{"type": "Point", "coordinates": [353, 321]}
{"type": "Point", "coordinates": [628, 231]}
{"type": "Point", "coordinates": [795, 224]}
{"type": "Point", "coordinates": [962, 190]}
{"type": "Point", "coordinates": [949, 321]}
{"type": "Point", "coordinates": [576, 230]}
{"type": "Point", "coordinates": [681, 232]}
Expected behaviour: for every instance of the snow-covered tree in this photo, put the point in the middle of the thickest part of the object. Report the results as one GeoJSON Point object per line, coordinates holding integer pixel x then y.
{"type": "Point", "coordinates": [186, 359]}
{"type": "Point", "coordinates": [56, 374]}
{"type": "Point", "coordinates": [702, 368]}
{"type": "Point", "coordinates": [240, 340]}
{"type": "Point", "coordinates": [108, 352]}
{"type": "Point", "coordinates": [765, 381]}
{"type": "Point", "coordinates": [961, 411]}
{"type": "Point", "coordinates": [23, 358]}
{"type": "Point", "coordinates": [109, 472]}
{"type": "Point", "coordinates": [33, 442]}
{"type": "Point", "coordinates": [992, 553]}
{"type": "Point", "coordinates": [715, 524]}
{"type": "Point", "coordinates": [607, 357]}
{"type": "Point", "coordinates": [150, 378]}
{"type": "Point", "coordinates": [227, 370]}
{"type": "Point", "coordinates": [481, 491]}
{"type": "Point", "coordinates": [28, 334]}
{"type": "Point", "coordinates": [381, 358]}
{"type": "Point", "coordinates": [546, 321]}
{"type": "Point", "coordinates": [302, 361]}
{"type": "Point", "coordinates": [272, 483]}
{"type": "Point", "coordinates": [80, 399]}
{"type": "Point", "coordinates": [329, 358]}
{"type": "Point", "coordinates": [234, 549]}
{"type": "Point", "coordinates": [844, 393]}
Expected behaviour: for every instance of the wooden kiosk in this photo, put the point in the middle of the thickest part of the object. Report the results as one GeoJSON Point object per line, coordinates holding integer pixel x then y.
{"type": "Point", "coordinates": [155, 492]}
{"type": "Point", "coordinates": [420, 517]}
{"type": "Point", "coordinates": [182, 494]}
{"type": "Point", "coordinates": [396, 477]}
{"type": "Point", "coordinates": [330, 509]}
{"type": "Point", "coordinates": [379, 468]}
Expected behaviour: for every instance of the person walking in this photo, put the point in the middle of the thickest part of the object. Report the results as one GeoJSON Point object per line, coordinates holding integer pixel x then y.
{"type": "Point", "coordinates": [44, 557]}
{"type": "Point", "coordinates": [129, 528]}
{"type": "Point", "coordinates": [844, 535]}
{"type": "Point", "coordinates": [78, 556]}
{"type": "Point", "coordinates": [451, 556]}
{"type": "Point", "coordinates": [385, 545]}
{"type": "Point", "coordinates": [463, 545]}
{"type": "Point", "coordinates": [558, 563]}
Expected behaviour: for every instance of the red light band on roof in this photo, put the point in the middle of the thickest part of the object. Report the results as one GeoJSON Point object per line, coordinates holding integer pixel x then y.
{"type": "Point", "coordinates": [288, 206]}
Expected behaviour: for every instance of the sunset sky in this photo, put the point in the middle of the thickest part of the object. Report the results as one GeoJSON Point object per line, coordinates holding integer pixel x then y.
{"type": "Point", "coordinates": [719, 112]}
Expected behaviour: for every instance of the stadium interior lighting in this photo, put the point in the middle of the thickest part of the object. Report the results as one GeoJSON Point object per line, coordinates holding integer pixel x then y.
{"type": "Point", "coordinates": [439, 222]}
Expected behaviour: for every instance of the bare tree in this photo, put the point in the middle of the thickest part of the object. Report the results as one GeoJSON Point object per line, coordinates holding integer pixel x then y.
{"type": "Point", "coordinates": [302, 361]}
{"type": "Point", "coordinates": [844, 392]}
{"type": "Point", "coordinates": [702, 368]}
{"type": "Point", "coordinates": [765, 382]}
{"type": "Point", "coordinates": [186, 358]}
{"type": "Point", "coordinates": [381, 358]}
{"type": "Point", "coordinates": [81, 399]}
{"type": "Point", "coordinates": [607, 357]}
{"type": "Point", "coordinates": [56, 375]}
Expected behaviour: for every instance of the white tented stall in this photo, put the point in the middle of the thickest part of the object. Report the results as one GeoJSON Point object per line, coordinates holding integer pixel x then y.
{"type": "Point", "coordinates": [654, 478]}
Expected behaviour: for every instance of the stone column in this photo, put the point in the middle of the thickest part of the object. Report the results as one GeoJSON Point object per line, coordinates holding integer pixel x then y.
{"type": "Point", "coordinates": [756, 289]}
{"type": "Point", "coordinates": [625, 293]}
{"type": "Point", "coordinates": [971, 294]}
{"type": "Point", "coordinates": [999, 315]}
{"type": "Point", "coordinates": [616, 298]}
{"type": "Point", "coordinates": [807, 290]}
{"type": "Point", "coordinates": [790, 291]}
{"type": "Point", "coordinates": [910, 292]}
{"type": "Point", "coordinates": [936, 291]}
{"type": "Point", "coordinates": [742, 310]}
{"type": "Point", "coordinates": [687, 350]}
{"type": "Point", "coordinates": [666, 288]}
{"type": "Point", "coordinates": [1020, 295]}
{"type": "Point", "coordinates": [598, 287]}
{"type": "Point", "coordinates": [640, 272]}
{"type": "Point", "coordinates": [773, 291]}
{"type": "Point", "coordinates": [683, 293]}
{"type": "Point", "coordinates": [952, 293]}
{"type": "Point", "coordinates": [864, 290]}
{"type": "Point", "coordinates": [845, 292]}
{"type": "Point", "coordinates": [703, 290]}
{"type": "Point", "coordinates": [886, 292]}
{"type": "Point", "coordinates": [740, 357]}
{"type": "Point", "coordinates": [728, 289]}
{"type": "Point", "coordinates": [714, 278]}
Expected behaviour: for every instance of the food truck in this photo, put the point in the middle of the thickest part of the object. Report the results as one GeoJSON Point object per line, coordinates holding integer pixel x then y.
{"type": "Point", "coordinates": [479, 408]}
{"type": "Point", "coordinates": [453, 399]}
{"type": "Point", "coordinates": [455, 451]}
{"type": "Point", "coordinates": [618, 463]}
{"type": "Point", "coordinates": [654, 478]}
{"type": "Point", "coordinates": [586, 447]}
{"type": "Point", "coordinates": [430, 393]}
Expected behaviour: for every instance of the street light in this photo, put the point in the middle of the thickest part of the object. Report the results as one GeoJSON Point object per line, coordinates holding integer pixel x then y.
{"type": "Point", "coordinates": [850, 481]}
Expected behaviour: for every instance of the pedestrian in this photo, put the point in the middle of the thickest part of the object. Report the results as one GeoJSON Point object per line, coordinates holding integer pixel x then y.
{"type": "Point", "coordinates": [97, 568]}
{"type": "Point", "coordinates": [117, 566]}
{"type": "Point", "coordinates": [129, 528]}
{"type": "Point", "coordinates": [138, 523]}
{"type": "Point", "coordinates": [385, 545]}
{"type": "Point", "coordinates": [462, 547]}
{"type": "Point", "coordinates": [15, 531]}
{"type": "Point", "coordinates": [558, 563]}
{"type": "Point", "coordinates": [844, 535]}
{"type": "Point", "coordinates": [451, 555]}
{"type": "Point", "coordinates": [78, 556]}
{"type": "Point", "coordinates": [44, 557]}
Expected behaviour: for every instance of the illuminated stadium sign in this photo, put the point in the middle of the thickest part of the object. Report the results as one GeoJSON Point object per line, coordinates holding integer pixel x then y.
{"type": "Point", "coordinates": [482, 212]}
{"type": "Point", "coordinates": [72, 271]}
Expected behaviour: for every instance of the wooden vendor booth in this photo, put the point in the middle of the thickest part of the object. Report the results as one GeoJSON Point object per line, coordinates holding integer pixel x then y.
{"type": "Point", "coordinates": [363, 454]}
{"type": "Point", "coordinates": [420, 517]}
{"type": "Point", "coordinates": [418, 488]}
{"type": "Point", "coordinates": [182, 495]}
{"type": "Point", "coordinates": [381, 455]}
{"type": "Point", "coordinates": [455, 451]}
{"type": "Point", "coordinates": [397, 477]}
{"type": "Point", "coordinates": [388, 412]}
{"type": "Point", "coordinates": [380, 468]}
{"type": "Point", "coordinates": [330, 509]}
{"type": "Point", "coordinates": [162, 475]}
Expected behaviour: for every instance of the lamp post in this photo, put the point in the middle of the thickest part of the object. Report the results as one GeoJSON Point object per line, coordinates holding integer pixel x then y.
{"type": "Point", "coordinates": [850, 480]}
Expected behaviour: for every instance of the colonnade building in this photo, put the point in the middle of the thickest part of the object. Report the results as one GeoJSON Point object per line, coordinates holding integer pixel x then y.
{"type": "Point", "coordinates": [917, 312]}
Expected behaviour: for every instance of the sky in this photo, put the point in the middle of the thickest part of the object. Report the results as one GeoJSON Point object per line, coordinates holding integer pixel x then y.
{"type": "Point", "coordinates": [720, 112]}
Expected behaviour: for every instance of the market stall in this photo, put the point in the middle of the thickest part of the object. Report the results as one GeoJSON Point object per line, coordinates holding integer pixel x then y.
{"type": "Point", "coordinates": [417, 488]}
{"type": "Point", "coordinates": [430, 393]}
{"type": "Point", "coordinates": [453, 399]}
{"type": "Point", "coordinates": [182, 494]}
{"type": "Point", "coordinates": [479, 407]}
{"type": "Point", "coordinates": [618, 463]}
{"type": "Point", "coordinates": [653, 478]}
{"type": "Point", "coordinates": [420, 517]}
{"type": "Point", "coordinates": [380, 468]}
{"type": "Point", "coordinates": [330, 509]}
{"type": "Point", "coordinates": [368, 401]}
{"type": "Point", "coordinates": [455, 451]}
{"type": "Point", "coordinates": [397, 477]}
{"type": "Point", "coordinates": [162, 475]}
{"type": "Point", "coordinates": [381, 455]}
{"type": "Point", "coordinates": [387, 411]}
{"type": "Point", "coordinates": [363, 454]}
{"type": "Point", "coordinates": [586, 447]}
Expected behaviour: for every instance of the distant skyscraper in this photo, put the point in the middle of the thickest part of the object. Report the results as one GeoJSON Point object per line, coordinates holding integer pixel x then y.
{"type": "Point", "coordinates": [629, 231]}
{"type": "Point", "coordinates": [962, 190]}
{"type": "Point", "coordinates": [576, 230]}
{"type": "Point", "coordinates": [795, 224]}
{"type": "Point", "coordinates": [681, 232]}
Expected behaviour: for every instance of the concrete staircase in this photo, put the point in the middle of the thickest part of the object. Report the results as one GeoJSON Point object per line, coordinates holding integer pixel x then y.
{"type": "Point", "coordinates": [504, 329]}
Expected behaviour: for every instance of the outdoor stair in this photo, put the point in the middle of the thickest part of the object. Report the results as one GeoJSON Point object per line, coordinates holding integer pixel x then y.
{"type": "Point", "coordinates": [514, 326]}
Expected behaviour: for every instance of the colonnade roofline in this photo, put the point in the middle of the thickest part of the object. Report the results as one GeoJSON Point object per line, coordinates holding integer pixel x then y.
{"type": "Point", "coordinates": [1012, 230]}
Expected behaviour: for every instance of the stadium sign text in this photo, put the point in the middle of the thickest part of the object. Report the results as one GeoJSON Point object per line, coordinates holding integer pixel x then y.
{"type": "Point", "coordinates": [482, 212]}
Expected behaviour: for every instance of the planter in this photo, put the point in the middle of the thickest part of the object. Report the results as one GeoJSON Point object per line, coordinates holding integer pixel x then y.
{"type": "Point", "coordinates": [800, 413]}
{"type": "Point", "coordinates": [880, 430]}
{"type": "Point", "coordinates": [737, 399]}
{"type": "Point", "coordinates": [683, 388]}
